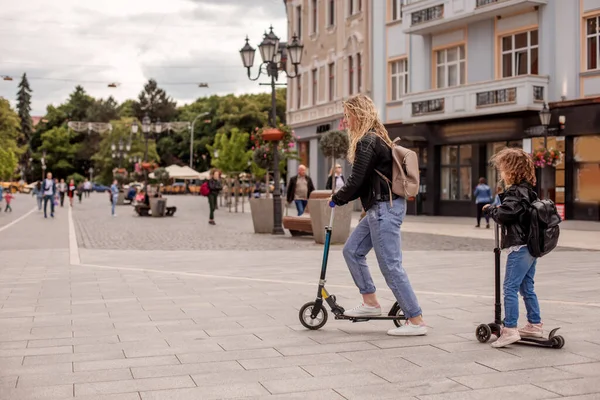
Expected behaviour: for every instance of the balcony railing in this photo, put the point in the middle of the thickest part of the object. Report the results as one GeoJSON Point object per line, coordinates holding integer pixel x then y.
{"type": "Point", "coordinates": [427, 107]}
{"type": "Point", "coordinates": [426, 15]}
{"type": "Point", "coordinates": [495, 97]}
{"type": "Point", "coordinates": [481, 3]}
{"type": "Point", "coordinates": [538, 93]}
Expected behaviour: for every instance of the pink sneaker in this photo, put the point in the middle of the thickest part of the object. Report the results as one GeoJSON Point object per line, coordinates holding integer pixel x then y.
{"type": "Point", "coordinates": [507, 336]}
{"type": "Point", "coordinates": [532, 330]}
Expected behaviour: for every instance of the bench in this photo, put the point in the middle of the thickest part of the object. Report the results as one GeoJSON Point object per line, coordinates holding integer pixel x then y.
{"type": "Point", "coordinates": [302, 225]}
{"type": "Point", "coordinates": [142, 210]}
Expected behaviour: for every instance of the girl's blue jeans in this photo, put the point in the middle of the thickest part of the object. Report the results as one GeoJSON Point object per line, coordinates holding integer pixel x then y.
{"type": "Point", "coordinates": [520, 271]}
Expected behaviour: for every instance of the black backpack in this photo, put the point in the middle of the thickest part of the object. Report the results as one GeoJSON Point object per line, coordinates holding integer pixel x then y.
{"type": "Point", "coordinates": [543, 227]}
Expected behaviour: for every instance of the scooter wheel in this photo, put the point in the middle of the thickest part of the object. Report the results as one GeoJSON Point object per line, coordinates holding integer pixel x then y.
{"type": "Point", "coordinates": [558, 342]}
{"type": "Point", "coordinates": [308, 321]}
{"type": "Point", "coordinates": [483, 333]}
{"type": "Point", "coordinates": [397, 311]}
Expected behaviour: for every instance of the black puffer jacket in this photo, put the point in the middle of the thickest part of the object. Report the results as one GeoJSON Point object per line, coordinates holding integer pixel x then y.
{"type": "Point", "coordinates": [371, 153]}
{"type": "Point", "coordinates": [512, 214]}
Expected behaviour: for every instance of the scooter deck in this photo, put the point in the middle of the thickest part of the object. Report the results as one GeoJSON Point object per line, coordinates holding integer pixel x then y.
{"type": "Point", "coordinates": [365, 319]}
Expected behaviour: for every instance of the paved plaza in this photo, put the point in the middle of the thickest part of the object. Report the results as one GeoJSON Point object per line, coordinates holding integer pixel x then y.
{"type": "Point", "coordinates": [129, 308]}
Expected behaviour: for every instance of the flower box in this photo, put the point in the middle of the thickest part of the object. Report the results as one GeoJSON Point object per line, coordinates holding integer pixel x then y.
{"type": "Point", "coordinates": [272, 135]}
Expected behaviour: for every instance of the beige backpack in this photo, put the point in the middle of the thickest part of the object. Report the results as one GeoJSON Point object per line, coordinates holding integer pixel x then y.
{"type": "Point", "coordinates": [405, 172]}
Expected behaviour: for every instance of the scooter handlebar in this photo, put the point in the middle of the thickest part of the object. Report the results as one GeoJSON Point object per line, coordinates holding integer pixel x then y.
{"type": "Point", "coordinates": [331, 204]}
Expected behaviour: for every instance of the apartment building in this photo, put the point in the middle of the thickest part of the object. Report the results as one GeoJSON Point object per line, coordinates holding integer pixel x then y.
{"type": "Point", "coordinates": [335, 66]}
{"type": "Point", "coordinates": [458, 80]}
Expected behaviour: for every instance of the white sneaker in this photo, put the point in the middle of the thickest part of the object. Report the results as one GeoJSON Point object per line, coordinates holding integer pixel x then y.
{"type": "Point", "coordinates": [363, 311]}
{"type": "Point", "coordinates": [409, 329]}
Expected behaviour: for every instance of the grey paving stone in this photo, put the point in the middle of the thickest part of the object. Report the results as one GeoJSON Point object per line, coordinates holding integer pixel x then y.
{"type": "Point", "coordinates": [280, 362]}
{"type": "Point", "coordinates": [506, 392]}
{"type": "Point", "coordinates": [583, 370]}
{"type": "Point", "coordinates": [495, 379]}
{"type": "Point", "coordinates": [209, 392]}
{"type": "Point", "coordinates": [222, 378]}
{"type": "Point", "coordinates": [325, 348]}
{"type": "Point", "coordinates": [36, 351]}
{"type": "Point", "coordinates": [176, 382]}
{"type": "Point", "coordinates": [573, 387]}
{"type": "Point", "coordinates": [314, 383]}
{"type": "Point", "coordinates": [72, 341]}
{"type": "Point", "coordinates": [43, 392]}
{"type": "Point", "coordinates": [185, 369]}
{"type": "Point", "coordinates": [50, 379]}
{"type": "Point", "coordinates": [312, 395]}
{"type": "Point", "coordinates": [8, 381]}
{"type": "Point", "coordinates": [67, 358]}
{"type": "Point", "coordinates": [267, 354]}
{"type": "Point", "coordinates": [564, 358]}
{"type": "Point", "coordinates": [124, 363]}
{"type": "Point", "coordinates": [120, 396]}
{"type": "Point", "coordinates": [36, 369]}
{"type": "Point", "coordinates": [400, 390]}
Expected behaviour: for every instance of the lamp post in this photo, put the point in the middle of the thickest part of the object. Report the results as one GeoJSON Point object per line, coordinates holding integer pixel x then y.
{"type": "Point", "coordinates": [43, 164]}
{"type": "Point", "coordinates": [192, 138]}
{"type": "Point", "coordinates": [274, 60]}
{"type": "Point", "coordinates": [148, 128]}
{"type": "Point", "coordinates": [545, 117]}
{"type": "Point", "coordinates": [120, 150]}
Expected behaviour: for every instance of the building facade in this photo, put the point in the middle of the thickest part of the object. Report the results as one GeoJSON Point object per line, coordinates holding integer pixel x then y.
{"type": "Point", "coordinates": [458, 80]}
{"type": "Point", "coordinates": [335, 65]}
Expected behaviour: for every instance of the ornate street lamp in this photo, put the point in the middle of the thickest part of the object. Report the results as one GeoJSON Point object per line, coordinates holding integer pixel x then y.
{"type": "Point", "coordinates": [272, 55]}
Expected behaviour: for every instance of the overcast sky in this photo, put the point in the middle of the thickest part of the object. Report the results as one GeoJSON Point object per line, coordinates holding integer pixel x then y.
{"type": "Point", "coordinates": [62, 43]}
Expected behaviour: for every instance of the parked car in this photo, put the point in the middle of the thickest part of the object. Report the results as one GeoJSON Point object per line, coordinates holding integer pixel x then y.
{"type": "Point", "coordinates": [100, 188]}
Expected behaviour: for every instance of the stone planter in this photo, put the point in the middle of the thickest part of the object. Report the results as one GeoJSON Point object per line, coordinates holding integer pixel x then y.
{"type": "Point", "coordinates": [154, 206]}
{"type": "Point", "coordinates": [121, 199]}
{"type": "Point", "coordinates": [320, 212]}
{"type": "Point", "coordinates": [262, 214]}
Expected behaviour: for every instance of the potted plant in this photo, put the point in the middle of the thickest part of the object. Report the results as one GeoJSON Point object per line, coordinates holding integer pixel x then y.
{"type": "Point", "coordinates": [543, 158]}
{"type": "Point", "coordinates": [158, 205]}
{"type": "Point", "coordinates": [334, 145]}
{"type": "Point", "coordinates": [262, 208]}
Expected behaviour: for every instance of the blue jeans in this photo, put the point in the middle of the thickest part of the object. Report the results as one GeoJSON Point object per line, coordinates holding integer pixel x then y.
{"type": "Point", "coordinates": [39, 202]}
{"type": "Point", "coordinates": [115, 197]}
{"type": "Point", "coordinates": [520, 270]}
{"type": "Point", "coordinates": [380, 230]}
{"type": "Point", "coordinates": [301, 206]}
{"type": "Point", "coordinates": [49, 198]}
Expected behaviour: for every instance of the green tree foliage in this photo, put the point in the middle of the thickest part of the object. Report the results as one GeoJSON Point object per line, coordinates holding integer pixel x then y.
{"type": "Point", "coordinates": [233, 155]}
{"type": "Point", "coordinates": [9, 133]}
{"type": "Point", "coordinates": [60, 152]}
{"type": "Point", "coordinates": [24, 109]}
{"type": "Point", "coordinates": [155, 102]}
{"type": "Point", "coordinates": [103, 110]}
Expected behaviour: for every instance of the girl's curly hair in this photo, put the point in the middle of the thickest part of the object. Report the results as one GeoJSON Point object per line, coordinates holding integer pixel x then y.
{"type": "Point", "coordinates": [517, 166]}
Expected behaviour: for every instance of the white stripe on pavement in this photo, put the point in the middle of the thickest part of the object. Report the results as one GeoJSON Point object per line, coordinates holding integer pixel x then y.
{"type": "Point", "coordinates": [73, 249]}
{"type": "Point", "coordinates": [22, 217]}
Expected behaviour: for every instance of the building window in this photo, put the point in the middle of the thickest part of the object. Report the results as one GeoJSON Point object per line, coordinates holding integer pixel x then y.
{"type": "Point", "coordinates": [456, 172]}
{"type": "Point", "coordinates": [593, 42]}
{"type": "Point", "coordinates": [397, 10]}
{"type": "Point", "coordinates": [299, 22]}
{"type": "Point", "coordinates": [314, 23]}
{"type": "Point", "coordinates": [450, 67]}
{"type": "Point", "coordinates": [359, 87]}
{"type": "Point", "coordinates": [331, 71]}
{"type": "Point", "coordinates": [353, 7]}
{"type": "Point", "coordinates": [520, 54]}
{"type": "Point", "coordinates": [586, 154]}
{"type": "Point", "coordinates": [350, 75]}
{"type": "Point", "coordinates": [399, 79]}
{"type": "Point", "coordinates": [299, 92]}
{"type": "Point", "coordinates": [331, 13]}
{"type": "Point", "coordinates": [315, 78]}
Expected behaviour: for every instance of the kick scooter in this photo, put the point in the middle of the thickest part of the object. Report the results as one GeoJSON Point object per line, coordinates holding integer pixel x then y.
{"type": "Point", "coordinates": [485, 331]}
{"type": "Point", "coordinates": [313, 315]}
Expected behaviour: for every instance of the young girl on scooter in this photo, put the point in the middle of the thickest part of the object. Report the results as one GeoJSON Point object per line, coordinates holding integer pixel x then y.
{"type": "Point", "coordinates": [370, 151]}
{"type": "Point", "coordinates": [518, 175]}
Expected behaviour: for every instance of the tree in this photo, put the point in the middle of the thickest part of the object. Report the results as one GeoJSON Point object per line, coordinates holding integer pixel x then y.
{"type": "Point", "coordinates": [103, 110]}
{"type": "Point", "coordinates": [60, 152]}
{"type": "Point", "coordinates": [76, 108]}
{"type": "Point", "coordinates": [155, 102]}
{"type": "Point", "coordinates": [9, 133]}
{"type": "Point", "coordinates": [24, 109]}
{"type": "Point", "coordinates": [233, 155]}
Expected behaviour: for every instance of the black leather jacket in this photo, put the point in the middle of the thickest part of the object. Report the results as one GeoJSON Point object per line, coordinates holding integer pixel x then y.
{"type": "Point", "coordinates": [511, 214]}
{"type": "Point", "coordinates": [371, 153]}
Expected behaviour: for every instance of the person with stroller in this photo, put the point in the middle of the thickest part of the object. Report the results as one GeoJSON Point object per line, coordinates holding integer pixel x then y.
{"type": "Point", "coordinates": [517, 172]}
{"type": "Point", "coordinates": [371, 152]}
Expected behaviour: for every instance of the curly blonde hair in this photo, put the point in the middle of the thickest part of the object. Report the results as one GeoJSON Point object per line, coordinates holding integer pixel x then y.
{"type": "Point", "coordinates": [516, 164]}
{"type": "Point", "coordinates": [366, 120]}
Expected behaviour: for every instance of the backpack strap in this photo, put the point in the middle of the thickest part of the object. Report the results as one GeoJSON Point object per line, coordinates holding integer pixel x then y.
{"type": "Point", "coordinates": [385, 178]}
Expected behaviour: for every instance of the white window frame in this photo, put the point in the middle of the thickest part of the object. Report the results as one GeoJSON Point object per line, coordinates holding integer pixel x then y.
{"type": "Point", "coordinates": [329, 13]}
{"type": "Point", "coordinates": [513, 52]}
{"type": "Point", "coordinates": [314, 86]}
{"type": "Point", "coordinates": [461, 60]}
{"type": "Point", "coordinates": [314, 13]}
{"type": "Point", "coordinates": [399, 79]}
{"type": "Point", "coordinates": [331, 81]}
{"type": "Point", "coordinates": [589, 36]}
{"type": "Point", "coordinates": [398, 15]}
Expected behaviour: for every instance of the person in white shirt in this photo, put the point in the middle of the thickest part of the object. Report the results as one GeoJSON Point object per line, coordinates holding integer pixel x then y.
{"type": "Point", "coordinates": [87, 188]}
{"type": "Point", "coordinates": [340, 181]}
{"type": "Point", "coordinates": [62, 189]}
{"type": "Point", "coordinates": [49, 188]}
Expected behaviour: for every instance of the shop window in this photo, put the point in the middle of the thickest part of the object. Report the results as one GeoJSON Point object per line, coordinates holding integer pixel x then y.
{"type": "Point", "coordinates": [587, 169]}
{"type": "Point", "coordinates": [557, 193]}
{"type": "Point", "coordinates": [456, 172]}
{"type": "Point", "coordinates": [304, 153]}
{"type": "Point", "coordinates": [593, 42]}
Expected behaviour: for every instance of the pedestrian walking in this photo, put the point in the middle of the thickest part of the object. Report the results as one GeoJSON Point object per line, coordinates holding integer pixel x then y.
{"type": "Point", "coordinates": [49, 190]}
{"type": "Point", "coordinates": [518, 174]}
{"type": "Point", "coordinates": [71, 189]}
{"type": "Point", "coordinates": [87, 187]}
{"type": "Point", "coordinates": [370, 153]}
{"type": "Point", "coordinates": [1, 196]}
{"type": "Point", "coordinates": [114, 192]}
{"type": "Point", "coordinates": [62, 189]}
{"type": "Point", "coordinates": [483, 197]}
{"type": "Point", "coordinates": [8, 197]}
{"type": "Point", "coordinates": [215, 187]}
{"type": "Point", "coordinates": [339, 179]}
{"type": "Point", "coordinates": [299, 189]}
{"type": "Point", "coordinates": [39, 194]}
{"type": "Point", "coordinates": [80, 190]}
